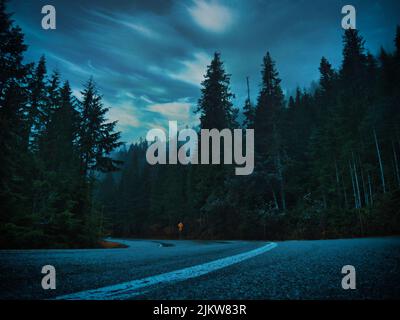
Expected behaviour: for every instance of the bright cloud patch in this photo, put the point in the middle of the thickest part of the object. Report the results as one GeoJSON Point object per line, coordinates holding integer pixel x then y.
{"type": "Point", "coordinates": [127, 22]}
{"type": "Point", "coordinates": [211, 16]}
{"type": "Point", "coordinates": [124, 115]}
{"type": "Point", "coordinates": [141, 29]}
{"type": "Point", "coordinates": [193, 70]}
{"type": "Point", "coordinates": [179, 111]}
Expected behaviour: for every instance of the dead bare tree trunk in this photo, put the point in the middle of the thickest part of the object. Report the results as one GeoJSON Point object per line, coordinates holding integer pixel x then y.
{"type": "Point", "coordinates": [346, 204]}
{"type": "Point", "coordinates": [357, 184]}
{"type": "Point", "coordinates": [366, 198]}
{"type": "Point", "coordinates": [354, 187]}
{"type": "Point", "coordinates": [396, 163]}
{"type": "Point", "coordinates": [280, 174]}
{"type": "Point", "coordinates": [275, 200]}
{"type": "Point", "coordinates": [338, 184]}
{"type": "Point", "coordinates": [380, 162]}
{"type": "Point", "coordinates": [371, 196]}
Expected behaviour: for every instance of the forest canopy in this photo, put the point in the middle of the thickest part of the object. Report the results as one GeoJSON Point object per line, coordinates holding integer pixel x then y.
{"type": "Point", "coordinates": [52, 147]}
{"type": "Point", "coordinates": [326, 160]}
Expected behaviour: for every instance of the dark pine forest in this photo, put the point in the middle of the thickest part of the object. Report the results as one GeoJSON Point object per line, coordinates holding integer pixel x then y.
{"type": "Point", "coordinates": [326, 159]}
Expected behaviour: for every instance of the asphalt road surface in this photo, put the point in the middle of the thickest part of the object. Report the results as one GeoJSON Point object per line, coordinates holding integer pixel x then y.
{"type": "Point", "coordinates": [208, 270]}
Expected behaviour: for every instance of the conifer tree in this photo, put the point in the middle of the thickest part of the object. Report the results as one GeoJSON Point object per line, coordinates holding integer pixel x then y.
{"type": "Point", "coordinates": [37, 105]}
{"type": "Point", "coordinates": [248, 109]}
{"type": "Point", "coordinates": [216, 111]}
{"type": "Point", "coordinates": [354, 58]}
{"type": "Point", "coordinates": [327, 76]}
{"type": "Point", "coordinates": [268, 138]}
{"type": "Point", "coordinates": [215, 106]}
{"type": "Point", "coordinates": [13, 78]}
{"type": "Point", "coordinates": [97, 137]}
{"type": "Point", "coordinates": [62, 132]}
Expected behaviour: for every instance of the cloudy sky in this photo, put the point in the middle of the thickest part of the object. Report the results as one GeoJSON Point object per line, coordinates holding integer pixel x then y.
{"type": "Point", "coordinates": [148, 57]}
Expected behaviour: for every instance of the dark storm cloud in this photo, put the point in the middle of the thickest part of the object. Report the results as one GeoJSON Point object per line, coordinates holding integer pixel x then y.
{"type": "Point", "coordinates": [148, 57]}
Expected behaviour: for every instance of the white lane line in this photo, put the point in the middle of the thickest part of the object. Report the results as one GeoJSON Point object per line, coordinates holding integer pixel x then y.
{"type": "Point", "coordinates": [131, 288]}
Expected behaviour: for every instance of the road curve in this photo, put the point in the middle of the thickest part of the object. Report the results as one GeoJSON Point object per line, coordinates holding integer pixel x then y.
{"type": "Point", "coordinates": [291, 270]}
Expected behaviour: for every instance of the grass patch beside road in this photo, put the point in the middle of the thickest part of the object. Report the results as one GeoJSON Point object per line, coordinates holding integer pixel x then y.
{"type": "Point", "coordinates": [111, 245]}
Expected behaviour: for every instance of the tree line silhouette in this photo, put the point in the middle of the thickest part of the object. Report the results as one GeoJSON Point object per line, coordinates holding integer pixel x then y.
{"type": "Point", "coordinates": [326, 160]}
{"type": "Point", "coordinates": [52, 144]}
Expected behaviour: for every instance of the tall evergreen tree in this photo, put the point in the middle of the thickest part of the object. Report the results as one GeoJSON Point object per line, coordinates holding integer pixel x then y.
{"type": "Point", "coordinates": [12, 48]}
{"type": "Point", "coordinates": [62, 132]}
{"type": "Point", "coordinates": [215, 106]}
{"type": "Point", "coordinates": [216, 111]}
{"type": "Point", "coordinates": [53, 102]}
{"type": "Point", "coordinates": [327, 76]}
{"type": "Point", "coordinates": [37, 105]}
{"type": "Point", "coordinates": [97, 138]}
{"type": "Point", "coordinates": [354, 57]}
{"type": "Point", "coordinates": [248, 109]}
{"type": "Point", "coordinates": [13, 78]}
{"type": "Point", "coordinates": [269, 150]}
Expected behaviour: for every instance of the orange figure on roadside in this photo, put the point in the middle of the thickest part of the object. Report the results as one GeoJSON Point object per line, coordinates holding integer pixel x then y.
{"type": "Point", "coordinates": [180, 226]}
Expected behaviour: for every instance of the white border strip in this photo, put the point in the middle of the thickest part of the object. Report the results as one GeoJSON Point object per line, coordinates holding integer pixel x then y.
{"type": "Point", "coordinates": [131, 288]}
